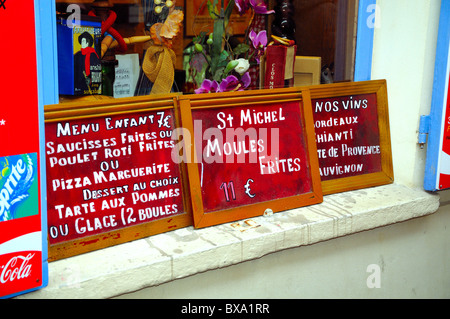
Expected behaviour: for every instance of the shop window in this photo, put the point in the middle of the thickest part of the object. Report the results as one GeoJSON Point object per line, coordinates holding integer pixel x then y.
{"type": "Point", "coordinates": [327, 29]}
{"type": "Point", "coordinates": [106, 50]}
{"type": "Point", "coordinates": [323, 34]}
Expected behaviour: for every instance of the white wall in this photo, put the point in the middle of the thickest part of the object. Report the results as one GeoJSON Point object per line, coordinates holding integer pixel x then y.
{"type": "Point", "coordinates": [413, 256]}
{"type": "Point", "coordinates": [404, 55]}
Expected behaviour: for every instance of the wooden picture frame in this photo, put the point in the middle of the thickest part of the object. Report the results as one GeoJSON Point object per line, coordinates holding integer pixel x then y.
{"type": "Point", "coordinates": [226, 191]}
{"type": "Point", "coordinates": [352, 125]}
{"type": "Point", "coordinates": [122, 184]}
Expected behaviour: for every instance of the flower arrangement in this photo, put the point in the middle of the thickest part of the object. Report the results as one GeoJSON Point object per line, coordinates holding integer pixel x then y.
{"type": "Point", "coordinates": [215, 64]}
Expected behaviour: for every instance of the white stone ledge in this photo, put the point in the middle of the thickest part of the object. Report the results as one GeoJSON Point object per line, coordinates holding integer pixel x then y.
{"type": "Point", "coordinates": [183, 252]}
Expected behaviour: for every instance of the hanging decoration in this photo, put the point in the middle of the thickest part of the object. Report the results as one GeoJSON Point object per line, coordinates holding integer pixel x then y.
{"type": "Point", "coordinates": [159, 60]}
{"type": "Point", "coordinates": [110, 34]}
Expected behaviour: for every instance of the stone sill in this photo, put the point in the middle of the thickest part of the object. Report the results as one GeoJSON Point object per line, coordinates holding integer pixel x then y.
{"type": "Point", "coordinates": [165, 257]}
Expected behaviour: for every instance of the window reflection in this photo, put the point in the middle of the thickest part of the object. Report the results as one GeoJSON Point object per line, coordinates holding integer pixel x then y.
{"type": "Point", "coordinates": [304, 42]}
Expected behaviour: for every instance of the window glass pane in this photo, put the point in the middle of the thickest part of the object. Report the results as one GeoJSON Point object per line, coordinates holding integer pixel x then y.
{"type": "Point", "coordinates": [126, 48]}
{"type": "Point", "coordinates": [327, 29]}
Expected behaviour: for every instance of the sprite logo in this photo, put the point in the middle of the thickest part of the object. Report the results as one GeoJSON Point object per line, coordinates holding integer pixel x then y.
{"type": "Point", "coordinates": [18, 187]}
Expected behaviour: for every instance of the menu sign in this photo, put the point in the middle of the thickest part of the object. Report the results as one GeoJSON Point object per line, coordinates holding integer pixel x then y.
{"type": "Point", "coordinates": [352, 135]}
{"type": "Point", "coordinates": [110, 173]}
{"type": "Point", "coordinates": [344, 130]}
{"type": "Point", "coordinates": [250, 156]}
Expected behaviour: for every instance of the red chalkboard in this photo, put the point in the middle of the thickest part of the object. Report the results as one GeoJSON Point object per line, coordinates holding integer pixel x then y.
{"type": "Point", "coordinates": [110, 177]}
{"type": "Point", "coordinates": [253, 151]}
{"type": "Point", "coordinates": [351, 123]}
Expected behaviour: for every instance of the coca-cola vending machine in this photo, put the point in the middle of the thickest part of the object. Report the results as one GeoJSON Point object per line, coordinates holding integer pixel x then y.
{"type": "Point", "coordinates": [23, 248]}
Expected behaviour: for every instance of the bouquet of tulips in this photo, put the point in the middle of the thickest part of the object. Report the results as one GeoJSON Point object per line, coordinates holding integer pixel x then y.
{"type": "Point", "coordinates": [215, 64]}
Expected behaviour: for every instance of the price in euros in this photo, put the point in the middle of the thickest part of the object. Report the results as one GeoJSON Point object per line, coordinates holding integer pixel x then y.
{"type": "Point", "coordinates": [230, 193]}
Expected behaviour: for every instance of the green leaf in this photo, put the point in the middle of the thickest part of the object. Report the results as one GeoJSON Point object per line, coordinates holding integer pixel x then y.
{"type": "Point", "coordinates": [241, 48]}
{"type": "Point", "coordinates": [212, 9]}
{"type": "Point", "coordinates": [228, 11]}
{"type": "Point", "coordinates": [224, 55]}
{"type": "Point", "coordinates": [198, 62]}
{"type": "Point", "coordinates": [217, 44]}
{"type": "Point", "coordinates": [219, 74]}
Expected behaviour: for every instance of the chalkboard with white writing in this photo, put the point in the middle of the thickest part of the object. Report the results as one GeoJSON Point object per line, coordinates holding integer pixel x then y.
{"type": "Point", "coordinates": [253, 152]}
{"type": "Point", "coordinates": [351, 122]}
{"type": "Point", "coordinates": [110, 177]}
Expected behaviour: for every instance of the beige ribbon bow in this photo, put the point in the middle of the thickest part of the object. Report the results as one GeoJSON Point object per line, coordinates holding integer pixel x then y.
{"type": "Point", "coordinates": [159, 67]}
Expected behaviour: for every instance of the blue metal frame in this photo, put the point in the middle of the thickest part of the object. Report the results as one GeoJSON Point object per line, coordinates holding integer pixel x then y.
{"type": "Point", "coordinates": [433, 124]}
{"type": "Point", "coordinates": [45, 21]}
{"type": "Point", "coordinates": [47, 51]}
{"type": "Point", "coordinates": [364, 40]}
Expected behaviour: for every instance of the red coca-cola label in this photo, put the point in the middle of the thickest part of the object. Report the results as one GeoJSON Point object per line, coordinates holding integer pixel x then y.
{"type": "Point", "coordinates": [20, 271]}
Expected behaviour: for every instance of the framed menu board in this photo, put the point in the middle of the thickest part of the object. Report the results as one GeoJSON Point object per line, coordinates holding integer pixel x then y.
{"type": "Point", "coordinates": [110, 176]}
{"type": "Point", "coordinates": [248, 152]}
{"type": "Point", "coordinates": [351, 122]}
